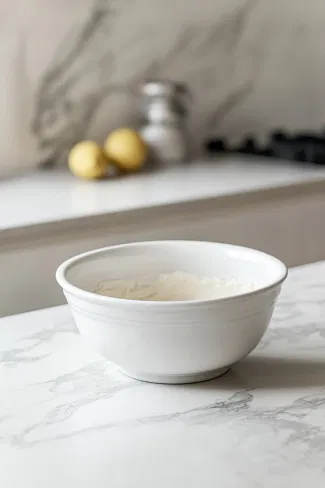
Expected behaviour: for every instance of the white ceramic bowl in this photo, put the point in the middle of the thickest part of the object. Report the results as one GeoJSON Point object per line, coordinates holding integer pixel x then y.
{"type": "Point", "coordinates": [172, 342]}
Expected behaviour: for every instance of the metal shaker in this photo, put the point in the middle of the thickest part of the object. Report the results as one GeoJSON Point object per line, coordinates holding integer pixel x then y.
{"type": "Point", "coordinates": [163, 120]}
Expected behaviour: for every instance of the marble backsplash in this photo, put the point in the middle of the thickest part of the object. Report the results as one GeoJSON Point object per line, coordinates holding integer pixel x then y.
{"type": "Point", "coordinates": [70, 68]}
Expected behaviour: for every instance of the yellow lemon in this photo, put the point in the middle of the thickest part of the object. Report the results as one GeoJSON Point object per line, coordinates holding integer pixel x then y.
{"type": "Point", "coordinates": [126, 149]}
{"type": "Point", "coordinates": [87, 160]}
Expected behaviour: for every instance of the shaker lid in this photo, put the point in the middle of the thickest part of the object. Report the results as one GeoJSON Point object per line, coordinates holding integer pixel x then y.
{"type": "Point", "coordinates": [159, 87]}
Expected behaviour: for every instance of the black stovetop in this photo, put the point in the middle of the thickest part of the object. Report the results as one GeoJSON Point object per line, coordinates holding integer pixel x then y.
{"type": "Point", "coordinates": [301, 147]}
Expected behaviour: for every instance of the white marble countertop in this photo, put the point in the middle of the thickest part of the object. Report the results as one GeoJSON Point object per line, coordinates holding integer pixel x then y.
{"type": "Point", "coordinates": [52, 196]}
{"type": "Point", "coordinates": [69, 419]}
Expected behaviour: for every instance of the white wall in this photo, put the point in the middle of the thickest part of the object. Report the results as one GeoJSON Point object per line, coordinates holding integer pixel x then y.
{"type": "Point", "coordinates": [67, 67]}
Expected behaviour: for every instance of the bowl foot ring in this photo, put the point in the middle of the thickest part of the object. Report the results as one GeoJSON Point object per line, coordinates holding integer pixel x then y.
{"type": "Point", "coordinates": [177, 379]}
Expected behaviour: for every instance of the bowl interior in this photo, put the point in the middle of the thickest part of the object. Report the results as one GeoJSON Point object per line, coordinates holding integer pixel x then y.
{"type": "Point", "coordinates": [143, 261]}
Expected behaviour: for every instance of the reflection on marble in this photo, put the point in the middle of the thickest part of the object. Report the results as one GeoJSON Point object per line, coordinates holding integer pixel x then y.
{"type": "Point", "coordinates": [68, 417]}
{"type": "Point", "coordinates": [71, 68]}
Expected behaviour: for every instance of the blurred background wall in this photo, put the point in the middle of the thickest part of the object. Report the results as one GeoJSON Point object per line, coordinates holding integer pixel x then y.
{"type": "Point", "coordinates": [70, 68]}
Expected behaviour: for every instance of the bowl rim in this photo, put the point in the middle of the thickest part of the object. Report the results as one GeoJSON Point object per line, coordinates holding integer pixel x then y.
{"type": "Point", "coordinates": [105, 300]}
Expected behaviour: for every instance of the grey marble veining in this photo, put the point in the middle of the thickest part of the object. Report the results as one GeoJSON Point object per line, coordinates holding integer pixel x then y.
{"type": "Point", "coordinates": [69, 418]}
{"type": "Point", "coordinates": [70, 69]}
{"type": "Point", "coordinates": [102, 62]}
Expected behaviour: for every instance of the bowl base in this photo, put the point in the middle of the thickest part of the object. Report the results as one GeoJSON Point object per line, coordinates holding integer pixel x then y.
{"type": "Point", "coordinates": [177, 379]}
